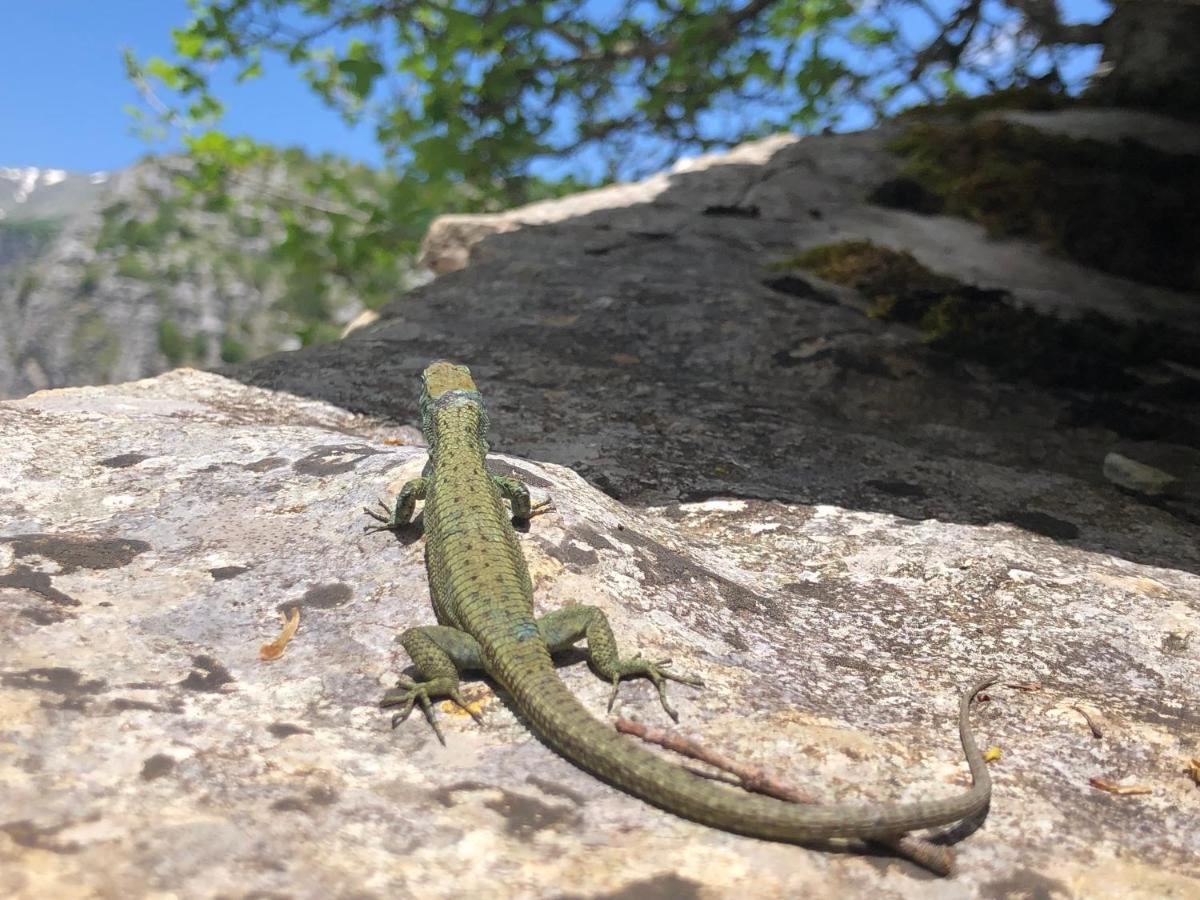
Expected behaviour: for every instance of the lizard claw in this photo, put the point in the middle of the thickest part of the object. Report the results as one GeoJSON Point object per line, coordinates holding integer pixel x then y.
{"type": "Point", "coordinates": [463, 705]}
{"type": "Point", "coordinates": [387, 519]}
{"type": "Point", "coordinates": [408, 694]}
{"type": "Point", "coordinates": [658, 675]}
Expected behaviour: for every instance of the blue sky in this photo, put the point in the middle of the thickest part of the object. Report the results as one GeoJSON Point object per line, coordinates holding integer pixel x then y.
{"type": "Point", "coordinates": [63, 87]}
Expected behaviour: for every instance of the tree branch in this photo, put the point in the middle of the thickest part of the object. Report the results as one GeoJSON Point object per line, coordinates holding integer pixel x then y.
{"type": "Point", "coordinates": [1042, 18]}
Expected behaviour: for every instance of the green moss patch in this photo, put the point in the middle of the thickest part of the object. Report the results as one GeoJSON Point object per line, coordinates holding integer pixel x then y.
{"type": "Point", "coordinates": [93, 338]}
{"type": "Point", "coordinates": [171, 342]}
{"type": "Point", "coordinates": [1037, 97]}
{"type": "Point", "coordinates": [1122, 208]}
{"type": "Point", "coordinates": [986, 326]}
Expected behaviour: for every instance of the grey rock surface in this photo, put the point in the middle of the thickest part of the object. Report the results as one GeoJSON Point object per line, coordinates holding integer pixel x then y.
{"type": "Point", "coordinates": [155, 531]}
{"type": "Point", "coordinates": [639, 335]}
{"type": "Point", "coordinates": [832, 525]}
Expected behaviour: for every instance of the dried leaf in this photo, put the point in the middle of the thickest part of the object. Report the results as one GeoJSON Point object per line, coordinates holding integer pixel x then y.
{"type": "Point", "coordinates": [991, 754]}
{"type": "Point", "coordinates": [1096, 732]}
{"type": "Point", "coordinates": [1025, 685]}
{"type": "Point", "coordinates": [274, 650]}
{"type": "Point", "coordinates": [1193, 769]}
{"type": "Point", "coordinates": [1103, 784]}
{"type": "Point", "coordinates": [395, 442]}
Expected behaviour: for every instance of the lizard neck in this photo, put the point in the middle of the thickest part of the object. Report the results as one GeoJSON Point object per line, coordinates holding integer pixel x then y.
{"type": "Point", "coordinates": [456, 423]}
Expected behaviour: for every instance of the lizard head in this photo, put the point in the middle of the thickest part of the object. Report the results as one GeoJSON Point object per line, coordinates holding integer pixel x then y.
{"type": "Point", "coordinates": [442, 377]}
{"type": "Point", "coordinates": [449, 386]}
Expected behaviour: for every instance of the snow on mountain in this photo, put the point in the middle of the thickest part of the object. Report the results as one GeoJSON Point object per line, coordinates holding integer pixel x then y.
{"type": "Point", "coordinates": [28, 192]}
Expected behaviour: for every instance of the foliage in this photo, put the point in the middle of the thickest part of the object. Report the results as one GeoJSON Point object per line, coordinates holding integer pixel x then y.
{"type": "Point", "coordinates": [472, 91]}
{"type": "Point", "coordinates": [94, 339]}
{"type": "Point", "coordinates": [171, 342]}
{"type": "Point", "coordinates": [296, 268]}
{"type": "Point", "coordinates": [37, 231]}
{"type": "Point", "coordinates": [22, 240]}
{"type": "Point", "coordinates": [468, 99]}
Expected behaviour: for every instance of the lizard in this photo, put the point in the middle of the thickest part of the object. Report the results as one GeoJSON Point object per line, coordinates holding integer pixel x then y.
{"type": "Point", "coordinates": [483, 601]}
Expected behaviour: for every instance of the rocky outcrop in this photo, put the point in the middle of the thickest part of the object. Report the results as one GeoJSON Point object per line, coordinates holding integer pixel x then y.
{"type": "Point", "coordinates": [136, 277]}
{"type": "Point", "coordinates": [833, 512]}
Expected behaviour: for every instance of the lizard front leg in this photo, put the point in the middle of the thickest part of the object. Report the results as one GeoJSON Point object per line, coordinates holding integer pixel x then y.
{"type": "Point", "coordinates": [515, 492]}
{"type": "Point", "coordinates": [562, 628]}
{"type": "Point", "coordinates": [399, 514]}
{"type": "Point", "coordinates": [439, 654]}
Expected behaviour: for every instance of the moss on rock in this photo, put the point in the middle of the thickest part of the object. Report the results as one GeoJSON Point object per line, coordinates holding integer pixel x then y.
{"type": "Point", "coordinates": [987, 326]}
{"type": "Point", "coordinates": [1122, 208]}
{"type": "Point", "coordinates": [1038, 96]}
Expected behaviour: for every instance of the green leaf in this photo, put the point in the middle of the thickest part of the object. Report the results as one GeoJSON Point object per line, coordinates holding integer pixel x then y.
{"type": "Point", "coordinates": [362, 67]}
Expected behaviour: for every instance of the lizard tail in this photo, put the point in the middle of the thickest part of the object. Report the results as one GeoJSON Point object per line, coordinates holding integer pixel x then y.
{"type": "Point", "coordinates": [564, 723]}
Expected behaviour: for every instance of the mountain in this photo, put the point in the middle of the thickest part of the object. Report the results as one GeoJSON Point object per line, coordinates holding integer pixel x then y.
{"type": "Point", "coordinates": [34, 206]}
{"type": "Point", "coordinates": [31, 193]}
{"type": "Point", "coordinates": [116, 276]}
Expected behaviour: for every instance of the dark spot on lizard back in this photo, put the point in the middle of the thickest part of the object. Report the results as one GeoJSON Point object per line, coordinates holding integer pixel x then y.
{"type": "Point", "coordinates": [1041, 523]}
{"type": "Point", "coordinates": [223, 573]}
{"type": "Point", "coordinates": [40, 615]}
{"type": "Point", "coordinates": [157, 766]}
{"type": "Point", "coordinates": [73, 553]}
{"type": "Point", "coordinates": [208, 675]}
{"type": "Point", "coordinates": [333, 459]}
{"type": "Point", "coordinates": [320, 596]}
{"type": "Point", "coordinates": [286, 729]}
{"type": "Point", "coordinates": [123, 460]}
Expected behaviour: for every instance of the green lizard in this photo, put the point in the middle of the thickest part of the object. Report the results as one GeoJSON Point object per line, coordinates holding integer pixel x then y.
{"type": "Point", "coordinates": [483, 599]}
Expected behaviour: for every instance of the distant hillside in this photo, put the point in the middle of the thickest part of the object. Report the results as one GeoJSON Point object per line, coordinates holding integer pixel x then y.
{"type": "Point", "coordinates": [31, 193]}
{"type": "Point", "coordinates": [34, 206]}
{"type": "Point", "coordinates": [111, 277]}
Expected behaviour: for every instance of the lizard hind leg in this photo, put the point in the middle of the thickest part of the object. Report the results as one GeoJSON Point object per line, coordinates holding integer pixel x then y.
{"type": "Point", "coordinates": [439, 654]}
{"type": "Point", "coordinates": [562, 628]}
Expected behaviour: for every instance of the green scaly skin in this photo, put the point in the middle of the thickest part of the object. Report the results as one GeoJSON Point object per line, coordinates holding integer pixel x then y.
{"type": "Point", "coordinates": [483, 600]}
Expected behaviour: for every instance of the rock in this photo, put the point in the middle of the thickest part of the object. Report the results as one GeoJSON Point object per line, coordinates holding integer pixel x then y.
{"type": "Point", "coordinates": [155, 530]}
{"type": "Point", "coordinates": [1135, 476]}
{"type": "Point", "coordinates": [833, 524]}
{"type": "Point", "coordinates": [363, 319]}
